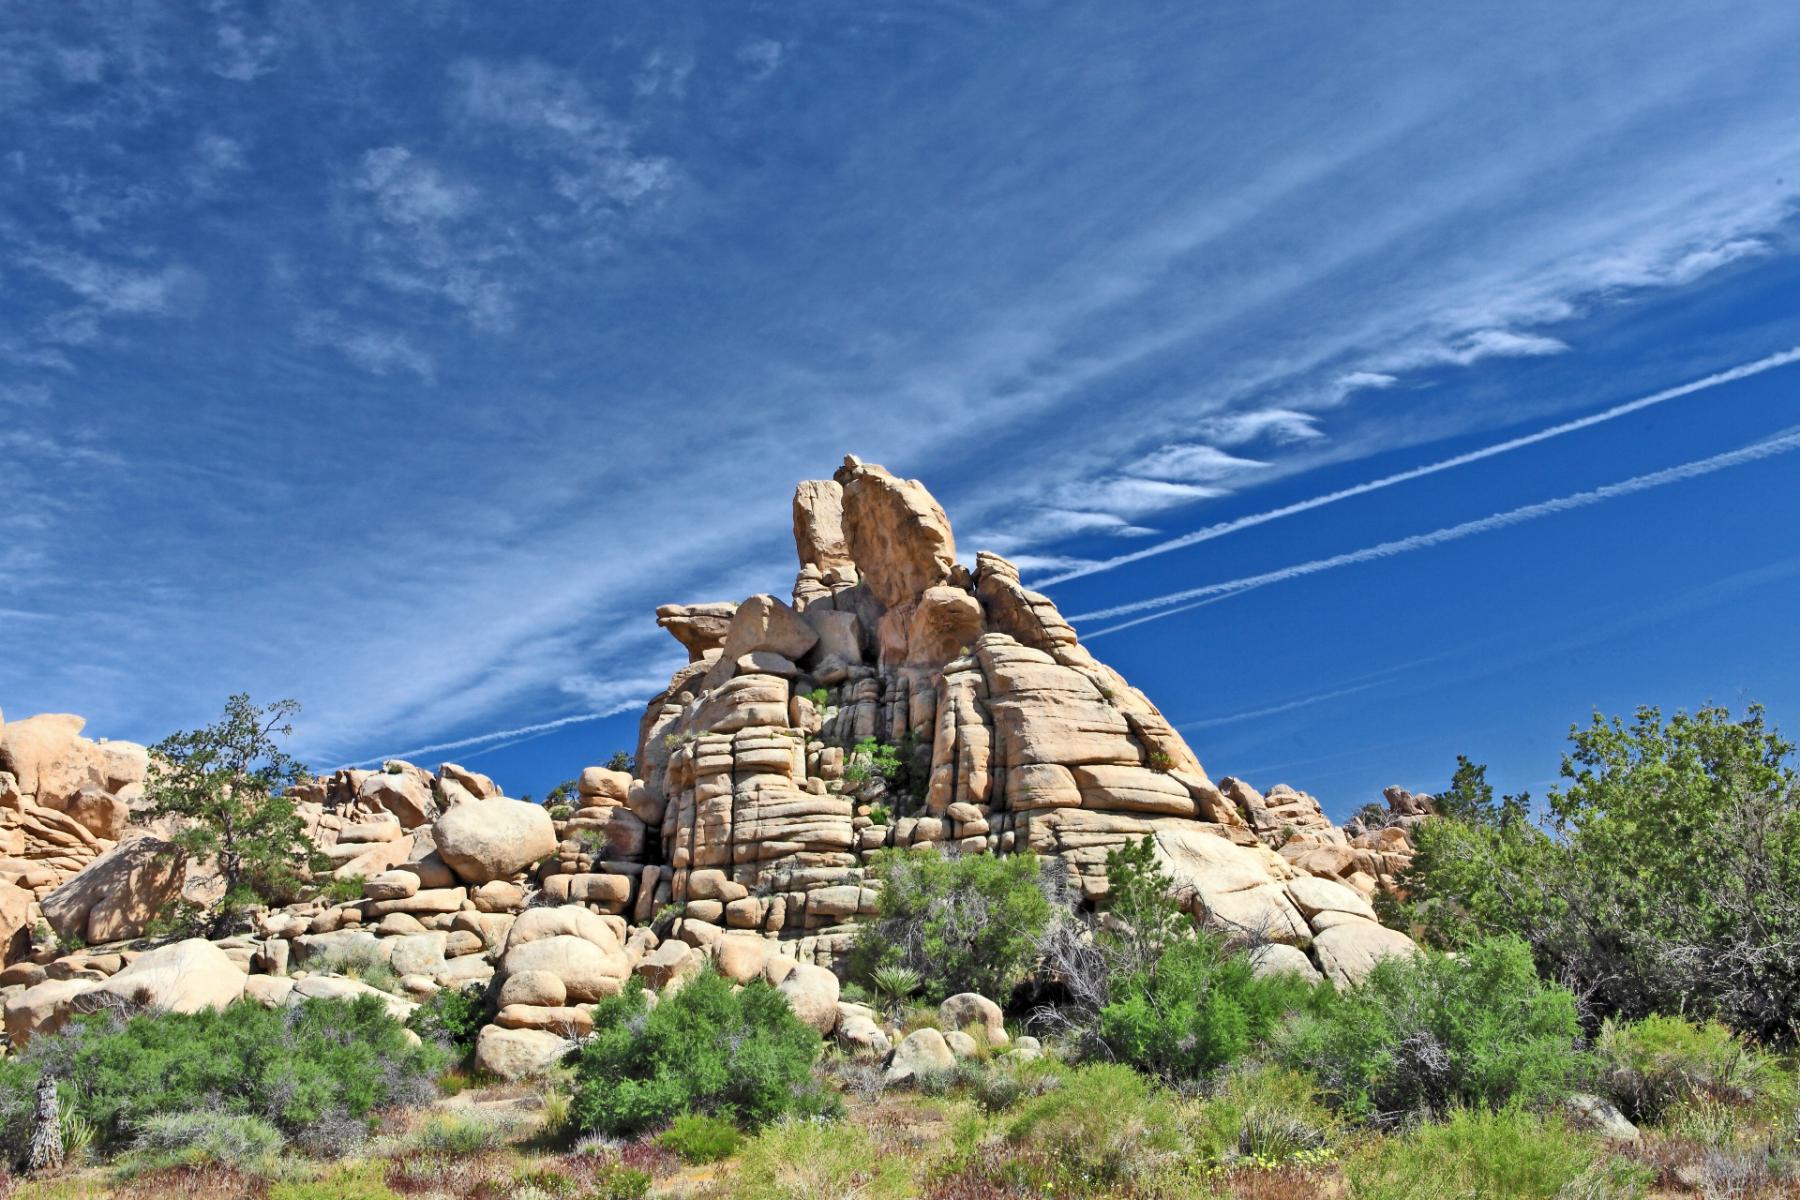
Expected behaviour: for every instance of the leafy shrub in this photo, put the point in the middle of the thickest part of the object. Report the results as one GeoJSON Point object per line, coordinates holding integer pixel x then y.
{"type": "Point", "coordinates": [342, 889]}
{"type": "Point", "coordinates": [740, 1055]}
{"type": "Point", "coordinates": [316, 1072]}
{"type": "Point", "coordinates": [1476, 1155]}
{"type": "Point", "coordinates": [820, 697]}
{"type": "Point", "coordinates": [870, 759]}
{"type": "Point", "coordinates": [1431, 1032]}
{"type": "Point", "coordinates": [1199, 1006]}
{"type": "Point", "coordinates": [966, 923]}
{"type": "Point", "coordinates": [1664, 877]}
{"type": "Point", "coordinates": [452, 1018]}
{"type": "Point", "coordinates": [806, 1160]}
{"type": "Point", "coordinates": [1650, 1066]}
{"type": "Point", "coordinates": [1105, 1125]}
{"type": "Point", "coordinates": [701, 1138]}
{"type": "Point", "coordinates": [202, 1137]}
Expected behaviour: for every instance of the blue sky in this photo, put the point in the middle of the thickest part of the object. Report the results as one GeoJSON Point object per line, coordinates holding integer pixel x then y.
{"type": "Point", "coordinates": [401, 358]}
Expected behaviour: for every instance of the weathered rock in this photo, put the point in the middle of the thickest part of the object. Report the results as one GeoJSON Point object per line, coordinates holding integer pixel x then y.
{"type": "Point", "coordinates": [541, 988]}
{"type": "Point", "coordinates": [15, 923]}
{"type": "Point", "coordinates": [184, 977]}
{"type": "Point", "coordinates": [971, 1008]}
{"type": "Point", "coordinates": [920, 1052]}
{"type": "Point", "coordinates": [515, 1054]}
{"type": "Point", "coordinates": [1348, 952]}
{"type": "Point", "coordinates": [861, 1038]}
{"type": "Point", "coordinates": [43, 1008]}
{"type": "Point", "coordinates": [118, 894]}
{"type": "Point", "coordinates": [897, 535]}
{"type": "Point", "coordinates": [588, 972]}
{"type": "Point", "coordinates": [812, 992]}
{"type": "Point", "coordinates": [494, 839]}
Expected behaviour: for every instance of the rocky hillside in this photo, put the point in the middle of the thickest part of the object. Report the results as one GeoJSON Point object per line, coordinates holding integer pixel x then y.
{"type": "Point", "coordinates": [900, 700]}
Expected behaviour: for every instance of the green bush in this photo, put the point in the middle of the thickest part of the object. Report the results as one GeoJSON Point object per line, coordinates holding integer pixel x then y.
{"type": "Point", "coordinates": [1196, 1008]}
{"type": "Point", "coordinates": [1266, 1114]}
{"type": "Point", "coordinates": [966, 923]}
{"type": "Point", "coordinates": [701, 1138]}
{"type": "Point", "coordinates": [455, 1135]}
{"type": "Point", "coordinates": [1649, 1067]}
{"type": "Point", "coordinates": [870, 759]}
{"type": "Point", "coordinates": [1432, 1032]}
{"type": "Point", "coordinates": [1106, 1125]}
{"type": "Point", "coordinates": [740, 1055]}
{"type": "Point", "coordinates": [1663, 877]}
{"type": "Point", "coordinates": [452, 1018]}
{"type": "Point", "coordinates": [316, 1072]}
{"type": "Point", "coordinates": [808, 1160]}
{"type": "Point", "coordinates": [1478, 1155]}
{"type": "Point", "coordinates": [203, 1137]}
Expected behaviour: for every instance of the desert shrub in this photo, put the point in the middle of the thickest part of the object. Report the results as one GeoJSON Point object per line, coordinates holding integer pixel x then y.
{"type": "Point", "coordinates": [1650, 1066]}
{"type": "Point", "coordinates": [963, 923]}
{"type": "Point", "coordinates": [1265, 1114]}
{"type": "Point", "coordinates": [200, 1137]}
{"type": "Point", "coordinates": [342, 889]}
{"type": "Point", "coordinates": [316, 1072]}
{"type": "Point", "coordinates": [1431, 1032]}
{"type": "Point", "coordinates": [1481, 1155]}
{"type": "Point", "coordinates": [1106, 1124]}
{"type": "Point", "coordinates": [361, 963]}
{"type": "Point", "coordinates": [870, 759]}
{"type": "Point", "coordinates": [805, 1160]}
{"type": "Point", "coordinates": [357, 1181]}
{"type": "Point", "coordinates": [739, 1055]}
{"type": "Point", "coordinates": [701, 1138]}
{"type": "Point", "coordinates": [452, 1018]}
{"type": "Point", "coordinates": [455, 1135]}
{"type": "Point", "coordinates": [1195, 1008]}
{"type": "Point", "coordinates": [1663, 877]}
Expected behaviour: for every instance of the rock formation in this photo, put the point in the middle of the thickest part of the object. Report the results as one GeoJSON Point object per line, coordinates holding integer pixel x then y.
{"type": "Point", "coordinates": [898, 699]}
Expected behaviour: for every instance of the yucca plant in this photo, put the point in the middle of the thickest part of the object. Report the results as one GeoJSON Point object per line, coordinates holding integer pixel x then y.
{"type": "Point", "coordinates": [893, 984]}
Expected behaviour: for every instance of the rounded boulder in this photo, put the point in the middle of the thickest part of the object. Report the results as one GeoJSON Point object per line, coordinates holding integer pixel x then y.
{"type": "Point", "coordinates": [493, 839]}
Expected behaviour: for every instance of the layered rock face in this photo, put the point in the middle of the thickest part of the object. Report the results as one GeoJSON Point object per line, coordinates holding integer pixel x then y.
{"type": "Point", "coordinates": [65, 800]}
{"type": "Point", "coordinates": [752, 810]}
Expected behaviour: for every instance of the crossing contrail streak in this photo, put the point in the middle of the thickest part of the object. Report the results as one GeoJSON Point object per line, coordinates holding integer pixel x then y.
{"type": "Point", "coordinates": [1174, 602]}
{"type": "Point", "coordinates": [498, 735]}
{"type": "Point", "coordinates": [1207, 534]}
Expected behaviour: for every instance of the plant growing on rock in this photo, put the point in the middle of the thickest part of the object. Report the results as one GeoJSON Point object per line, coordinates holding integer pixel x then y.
{"type": "Point", "coordinates": [870, 759]}
{"type": "Point", "coordinates": [223, 785]}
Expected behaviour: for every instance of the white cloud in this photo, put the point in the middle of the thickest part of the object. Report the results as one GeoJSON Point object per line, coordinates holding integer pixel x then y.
{"type": "Point", "coordinates": [244, 57]}
{"type": "Point", "coordinates": [115, 289]}
{"type": "Point", "coordinates": [1192, 462]}
{"type": "Point", "coordinates": [1281, 426]}
{"type": "Point", "coordinates": [1129, 497]}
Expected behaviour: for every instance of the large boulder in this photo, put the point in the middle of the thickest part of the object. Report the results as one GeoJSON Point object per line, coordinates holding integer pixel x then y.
{"type": "Point", "coordinates": [812, 992]}
{"type": "Point", "coordinates": [43, 1008]}
{"type": "Point", "coordinates": [118, 894]}
{"type": "Point", "coordinates": [184, 977]}
{"type": "Point", "coordinates": [515, 1054]}
{"type": "Point", "coordinates": [588, 972]}
{"type": "Point", "coordinates": [493, 839]}
{"type": "Point", "coordinates": [896, 532]}
{"type": "Point", "coordinates": [971, 1008]}
{"type": "Point", "coordinates": [1348, 951]}
{"type": "Point", "coordinates": [53, 762]}
{"type": "Point", "coordinates": [405, 792]}
{"type": "Point", "coordinates": [921, 1052]}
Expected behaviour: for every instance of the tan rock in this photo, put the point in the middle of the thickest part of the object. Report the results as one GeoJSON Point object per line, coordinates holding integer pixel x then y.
{"type": "Point", "coordinates": [515, 1054]}
{"type": "Point", "coordinates": [495, 839]}
{"type": "Point", "coordinates": [971, 1008]}
{"type": "Point", "coordinates": [921, 1052]}
{"type": "Point", "coordinates": [117, 895]}
{"type": "Point", "coordinates": [588, 972]}
{"type": "Point", "coordinates": [43, 1008]}
{"type": "Point", "coordinates": [184, 977]}
{"type": "Point", "coordinates": [1348, 952]}
{"type": "Point", "coordinates": [812, 992]}
{"type": "Point", "coordinates": [897, 535]}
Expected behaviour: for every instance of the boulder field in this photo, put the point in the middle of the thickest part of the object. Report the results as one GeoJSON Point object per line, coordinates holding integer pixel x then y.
{"type": "Point", "coordinates": [743, 833]}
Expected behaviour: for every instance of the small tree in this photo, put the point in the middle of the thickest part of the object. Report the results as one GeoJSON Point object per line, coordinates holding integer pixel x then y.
{"type": "Point", "coordinates": [621, 761]}
{"type": "Point", "coordinates": [223, 783]}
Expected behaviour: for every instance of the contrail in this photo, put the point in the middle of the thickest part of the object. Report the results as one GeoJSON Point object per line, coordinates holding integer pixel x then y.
{"type": "Point", "coordinates": [543, 727]}
{"type": "Point", "coordinates": [1781, 443]}
{"type": "Point", "coordinates": [1531, 439]}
